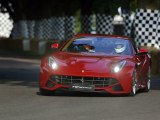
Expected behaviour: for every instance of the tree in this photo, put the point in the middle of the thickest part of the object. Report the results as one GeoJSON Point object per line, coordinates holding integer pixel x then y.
{"type": "Point", "coordinates": [149, 4]}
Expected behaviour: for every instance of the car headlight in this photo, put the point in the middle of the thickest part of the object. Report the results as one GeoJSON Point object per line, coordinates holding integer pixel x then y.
{"type": "Point", "coordinates": [118, 66]}
{"type": "Point", "coordinates": [52, 64]}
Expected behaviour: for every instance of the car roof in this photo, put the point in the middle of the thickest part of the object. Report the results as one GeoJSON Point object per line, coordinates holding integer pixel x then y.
{"type": "Point", "coordinates": [102, 35]}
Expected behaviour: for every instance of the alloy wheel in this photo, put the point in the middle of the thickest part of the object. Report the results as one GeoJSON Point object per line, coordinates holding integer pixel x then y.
{"type": "Point", "coordinates": [148, 84]}
{"type": "Point", "coordinates": [134, 85]}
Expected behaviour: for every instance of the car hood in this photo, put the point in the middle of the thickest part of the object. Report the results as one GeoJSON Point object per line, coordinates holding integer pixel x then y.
{"type": "Point", "coordinates": [85, 63]}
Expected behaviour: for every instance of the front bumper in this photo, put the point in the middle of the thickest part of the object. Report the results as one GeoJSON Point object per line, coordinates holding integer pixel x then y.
{"type": "Point", "coordinates": [119, 83]}
{"type": "Point", "coordinates": [83, 84]}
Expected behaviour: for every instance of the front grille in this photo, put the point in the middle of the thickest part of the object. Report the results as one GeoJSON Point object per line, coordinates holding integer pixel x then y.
{"type": "Point", "coordinates": [70, 80]}
{"type": "Point", "coordinates": [49, 84]}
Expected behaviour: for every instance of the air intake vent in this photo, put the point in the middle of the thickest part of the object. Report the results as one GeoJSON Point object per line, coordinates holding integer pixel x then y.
{"type": "Point", "coordinates": [97, 81]}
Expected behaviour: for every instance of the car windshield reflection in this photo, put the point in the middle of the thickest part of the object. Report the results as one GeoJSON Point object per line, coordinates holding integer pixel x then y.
{"type": "Point", "coordinates": [99, 45]}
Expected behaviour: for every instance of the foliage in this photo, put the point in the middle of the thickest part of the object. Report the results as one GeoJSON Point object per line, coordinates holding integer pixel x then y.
{"type": "Point", "coordinates": [110, 6]}
{"type": "Point", "coordinates": [133, 4]}
{"type": "Point", "coordinates": [38, 9]}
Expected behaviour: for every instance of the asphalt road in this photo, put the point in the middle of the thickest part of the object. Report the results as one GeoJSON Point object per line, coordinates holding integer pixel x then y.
{"type": "Point", "coordinates": [20, 100]}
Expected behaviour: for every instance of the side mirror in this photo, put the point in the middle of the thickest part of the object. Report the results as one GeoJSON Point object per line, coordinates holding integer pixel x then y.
{"type": "Point", "coordinates": [55, 45]}
{"type": "Point", "coordinates": [142, 51]}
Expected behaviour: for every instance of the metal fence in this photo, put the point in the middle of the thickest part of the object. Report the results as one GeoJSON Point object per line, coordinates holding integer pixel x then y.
{"type": "Point", "coordinates": [6, 25]}
{"type": "Point", "coordinates": [62, 28]}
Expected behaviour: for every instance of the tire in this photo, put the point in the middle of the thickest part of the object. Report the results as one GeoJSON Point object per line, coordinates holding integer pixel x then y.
{"type": "Point", "coordinates": [133, 84]}
{"type": "Point", "coordinates": [148, 83]}
{"type": "Point", "coordinates": [46, 92]}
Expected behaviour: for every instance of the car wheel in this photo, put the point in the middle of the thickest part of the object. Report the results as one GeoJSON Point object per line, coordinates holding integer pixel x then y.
{"type": "Point", "coordinates": [46, 92]}
{"type": "Point", "coordinates": [148, 84]}
{"type": "Point", "coordinates": [133, 84]}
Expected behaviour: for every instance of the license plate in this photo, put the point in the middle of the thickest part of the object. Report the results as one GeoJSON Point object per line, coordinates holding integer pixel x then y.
{"type": "Point", "coordinates": [82, 87]}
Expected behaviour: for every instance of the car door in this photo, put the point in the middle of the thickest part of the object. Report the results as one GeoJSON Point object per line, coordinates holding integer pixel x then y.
{"type": "Point", "coordinates": [141, 64]}
{"type": "Point", "coordinates": [142, 67]}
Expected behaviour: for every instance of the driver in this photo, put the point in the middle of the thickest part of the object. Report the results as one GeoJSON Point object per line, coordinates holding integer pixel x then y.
{"type": "Point", "coordinates": [89, 48]}
{"type": "Point", "coordinates": [119, 48]}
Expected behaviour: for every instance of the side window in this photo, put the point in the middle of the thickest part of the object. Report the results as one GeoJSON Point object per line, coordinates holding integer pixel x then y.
{"type": "Point", "coordinates": [135, 48]}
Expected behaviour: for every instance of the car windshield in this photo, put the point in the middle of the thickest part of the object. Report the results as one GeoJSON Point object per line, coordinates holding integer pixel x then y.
{"type": "Point", "coordinates": [102, 45]}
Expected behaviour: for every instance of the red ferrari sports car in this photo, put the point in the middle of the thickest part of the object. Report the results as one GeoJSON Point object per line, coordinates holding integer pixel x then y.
{"type": "Point", "coordinates": [96, 63]}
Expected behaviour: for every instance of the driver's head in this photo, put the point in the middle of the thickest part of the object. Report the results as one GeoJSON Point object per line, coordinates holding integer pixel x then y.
{"type": "Point", "coordinates": [119, 48]}
{"type": "Point", "coordinates": [87, 47]}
